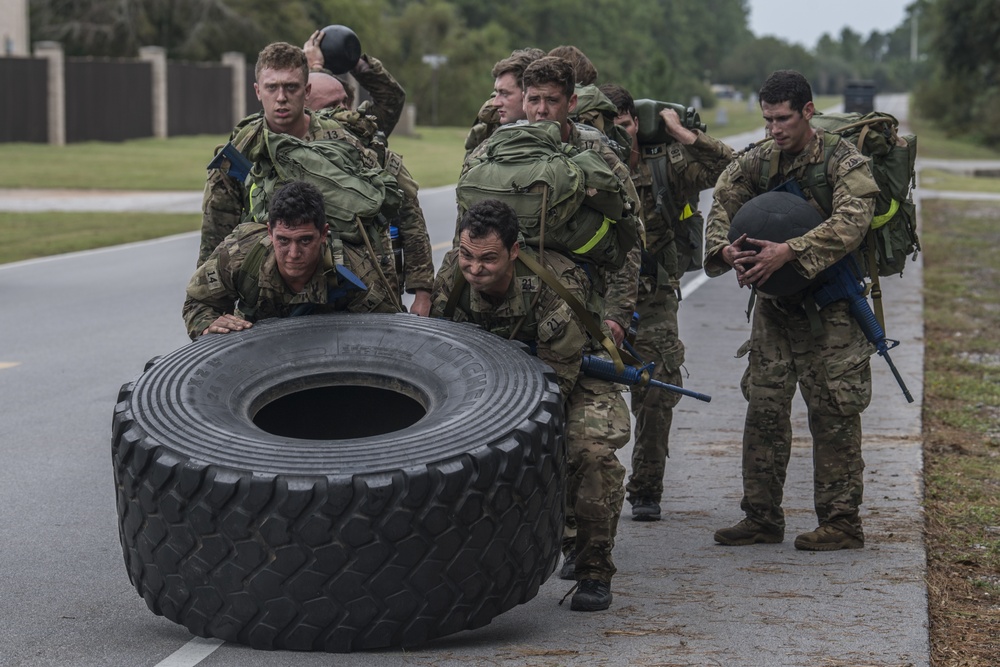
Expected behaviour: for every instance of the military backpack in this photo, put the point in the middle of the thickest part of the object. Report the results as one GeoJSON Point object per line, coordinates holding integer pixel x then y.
{"type": "Point", "coordinates": [893, 234]}
{"type": "Point", "coordinates": [566, 199]}
{"type": "Point", "coordinates": [358, 195]}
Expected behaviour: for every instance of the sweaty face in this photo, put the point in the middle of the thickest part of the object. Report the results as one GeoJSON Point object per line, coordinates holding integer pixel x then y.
{"type": "Point", "coordinates": [548, 102]}
{"type": "Point", "coordinates": [508, 99]}
{"type": "Point", "coordinates": [326, 92]}
{"type": "Point", "coordinates": [486, 264]}
{"type": "Point", "coordinates": [790, 129]}
{"type": "Point", "coordinates": [283, 96]}
{"type": "Point", "coordinates": [297, 250]}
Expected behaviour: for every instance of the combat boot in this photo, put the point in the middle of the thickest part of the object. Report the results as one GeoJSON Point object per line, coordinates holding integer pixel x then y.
{"type": "Point", "coordinates": [645, 509]}
{"type": "Point", "coordinates": [591, 595]}
{"type": "Point", "coordinates": [828, 538]}
{"type": "Point", "coordinates": [748, 532]}
{"type": "Point", "coordinates": [568, 569]}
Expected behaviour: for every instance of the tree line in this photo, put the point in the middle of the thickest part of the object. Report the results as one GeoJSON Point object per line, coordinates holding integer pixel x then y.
{"type": "Point", "coordinates": [666, 50]}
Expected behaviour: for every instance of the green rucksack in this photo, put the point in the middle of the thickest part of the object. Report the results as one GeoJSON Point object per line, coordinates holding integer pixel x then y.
{"type": "Point", "coordinates": [353, 194]}
{"type": "Point", "coordinates": [596, 109]}
{"type": "Point", "coordinates": [566, 199]}
{"type": "Point", "coordinates": [893, 234]}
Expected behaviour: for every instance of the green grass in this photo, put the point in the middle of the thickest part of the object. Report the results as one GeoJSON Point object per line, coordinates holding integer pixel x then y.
{"type": "Point", "coordinates": [433, 156]}
{"type": "Point", "coordinates": [939, 179]}
{"type": "Point", "coordinates": [139, 164]}
{"type": "Point", "coordinates": [961, 436]}
{"type": "Point", "coordinates": [29, 235]}
{"type": "Point", "coordinates": [934, 142]}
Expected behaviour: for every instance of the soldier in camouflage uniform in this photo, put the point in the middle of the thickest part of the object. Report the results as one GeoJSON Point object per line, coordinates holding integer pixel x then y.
{"type": "Point", "coordinates": [549, 94]}
{"type": "Point", "coordinates": [230, 291]}
{"type": "Point", "coordinates": [505, 104]}
{"type": "Point", "coordinates": [509, 299]}
{"type": "Point", "coordinates": [225, 201]}
{"type": "Point", "coordinates": [824, 352]}
{"type": "Point", "coordinates": [387, 96]}
{"type": "Point", "coordinates": [691, 163]}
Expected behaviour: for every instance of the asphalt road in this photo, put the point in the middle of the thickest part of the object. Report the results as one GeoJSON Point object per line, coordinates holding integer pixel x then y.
{"type": "Point", "coordinates": [78, 326]}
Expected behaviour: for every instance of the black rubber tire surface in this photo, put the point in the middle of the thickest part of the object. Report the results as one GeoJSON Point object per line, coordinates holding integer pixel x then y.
{"type": "Point", "coordinates": [340, 544]}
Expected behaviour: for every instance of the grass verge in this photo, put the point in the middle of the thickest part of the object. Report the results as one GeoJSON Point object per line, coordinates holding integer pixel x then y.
{"type": "Point", "coordinates": [30, 235]}
{"type": "Point", "coordinates": [961, 432]}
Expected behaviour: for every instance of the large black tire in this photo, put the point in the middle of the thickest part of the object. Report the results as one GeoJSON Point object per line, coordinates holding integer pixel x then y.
{"type": "Point", "coordinates": [344, 525]}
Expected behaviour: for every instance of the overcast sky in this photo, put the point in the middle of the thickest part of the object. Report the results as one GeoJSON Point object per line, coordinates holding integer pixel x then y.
{"type": "Point", "coordinates": [802, 21]}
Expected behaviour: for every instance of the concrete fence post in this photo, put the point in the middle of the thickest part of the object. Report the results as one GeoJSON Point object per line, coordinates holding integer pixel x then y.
{"type": "Point", "coordinates": [53, 52]}
{"type": "Point", "coordinates": [156, 56]}
{"type": "Point", "coordinates": [238, 64]}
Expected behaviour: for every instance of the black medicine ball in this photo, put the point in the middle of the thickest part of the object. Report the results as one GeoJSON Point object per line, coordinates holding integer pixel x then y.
{"type": "Point", "coordinates": [341, 48]}
{"type": "Point", "coordinates": [777, 217]}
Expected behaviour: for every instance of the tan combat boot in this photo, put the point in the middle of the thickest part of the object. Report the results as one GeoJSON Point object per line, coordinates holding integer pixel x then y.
{"type": "Point", "coordinates": [828, 538]}
{"type": "Point", "coordinates": [748, 532]}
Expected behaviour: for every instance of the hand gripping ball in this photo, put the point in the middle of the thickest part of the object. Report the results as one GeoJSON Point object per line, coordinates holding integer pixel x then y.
{"type": "Point", "coordinates": [776, 216]}
{"type": "Point", "coordinates": [341, 48]}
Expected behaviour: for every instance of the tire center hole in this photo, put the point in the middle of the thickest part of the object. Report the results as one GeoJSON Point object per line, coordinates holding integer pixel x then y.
{"type": "Point", "coordinates": [338, 412]}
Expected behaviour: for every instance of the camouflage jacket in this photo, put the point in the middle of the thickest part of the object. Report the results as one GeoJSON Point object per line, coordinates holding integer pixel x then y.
{"type": "Point", "coordinates": [850, 176]}
{"type": "Point", "coordinates": [487, 121]}
{"type": "Point", "coordinates": [689, 170]}
{"type": "Point", "coordinates": [388, 97]}
{"type": "Point", "coordinates": [552, 326]}
{"type": "Point", "coordinates": [214, 289]}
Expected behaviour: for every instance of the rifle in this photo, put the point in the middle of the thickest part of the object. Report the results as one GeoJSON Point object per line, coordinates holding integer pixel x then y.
{"type": "Point", "coordinates": [842, 283]}
{"type": "Point", "coordinates": [602, 369]}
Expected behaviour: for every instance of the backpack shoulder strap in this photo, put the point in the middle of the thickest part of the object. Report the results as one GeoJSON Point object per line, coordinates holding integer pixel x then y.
{"type": "Point", "coordinates": [248, 277]}
{"type": "Point", "coordinates": [589, 323]}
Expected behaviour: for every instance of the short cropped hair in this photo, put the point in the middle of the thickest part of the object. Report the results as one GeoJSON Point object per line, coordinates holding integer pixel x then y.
{"type": "Point", "coordinates": [297, 203]}
{"type": "Point", "coordinates": [281, 56]}
{"type": "Point", "coordinates": [516, 63]}
{"type": "Point", "coordinates": [583, 69]}
{"type": "Point", "coordinates": [491, 215]}
{"type": "Point", "coordinates": [551, 70]}
{"type": "Point", "coordinates": [620, 97]}
{"type": "Point", "coordinates": [786, 85]}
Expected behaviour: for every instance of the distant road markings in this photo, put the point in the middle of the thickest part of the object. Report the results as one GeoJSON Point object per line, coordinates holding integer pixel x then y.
{"type": "Point", "coordinates": [191, 653]}
{"type": "Point", "coordinates": [9, 364]}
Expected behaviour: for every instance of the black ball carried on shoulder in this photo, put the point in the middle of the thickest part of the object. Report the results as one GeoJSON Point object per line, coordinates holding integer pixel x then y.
{"type": "Point", "coordinates": [341, 49]}
{"type": "Point", "coordinates": [777, 217]}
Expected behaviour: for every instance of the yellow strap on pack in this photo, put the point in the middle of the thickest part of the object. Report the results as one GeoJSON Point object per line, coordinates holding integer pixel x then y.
{"type": "Point", "coordinates": [880, 220]}
{"type": "Point", "coordinates": [253, 186]}
{"type": "Point", "coordinates": [596, 238]}
{"type": "Point", "coordinates": [686, 213]}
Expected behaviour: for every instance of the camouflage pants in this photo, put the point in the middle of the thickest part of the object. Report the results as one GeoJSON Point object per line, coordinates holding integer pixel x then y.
{"type": "Point", "coordinates": [833, 373]}
{"type": "Point", "coordinates": [597, 425]}
{"type": "Point", "coordinates": [657, 341]}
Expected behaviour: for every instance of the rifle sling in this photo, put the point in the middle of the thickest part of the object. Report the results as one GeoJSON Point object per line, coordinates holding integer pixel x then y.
{"type": "Point", "coordinates": [592, 327]}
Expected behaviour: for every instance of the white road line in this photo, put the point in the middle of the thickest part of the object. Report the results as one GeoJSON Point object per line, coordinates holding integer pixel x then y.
{"type": "Point", "coordinates": [96, 251]}
{"type": "Point", "coordinates": [688, 288]}
{"type": "Point", "coordinates": [191, 653]}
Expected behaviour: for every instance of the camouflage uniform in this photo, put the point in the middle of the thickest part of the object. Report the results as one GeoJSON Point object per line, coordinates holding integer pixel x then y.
{"type": "Point", "coordinates": [487, 121]}
{"type": "Point", "coordinates": [387, 96]}
{"type": "Point", "coordinates": [689, 169]}
{"type": "Point", "coordinates": [214, 289]}
{"type": "Point", "coordinates": [225, 201]}
{"type": "Point", "coordinates": [831, 365]}
{"type": "Point", "coordinates": [596, 414]}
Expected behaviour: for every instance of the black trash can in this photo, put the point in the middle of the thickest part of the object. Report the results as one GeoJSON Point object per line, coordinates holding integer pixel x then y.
{"type": "Point", "coordinates": [859, 96]}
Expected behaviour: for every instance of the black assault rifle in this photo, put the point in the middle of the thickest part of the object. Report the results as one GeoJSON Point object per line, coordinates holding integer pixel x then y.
{"type": "Point", "coordinates": [842, 283]}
